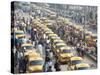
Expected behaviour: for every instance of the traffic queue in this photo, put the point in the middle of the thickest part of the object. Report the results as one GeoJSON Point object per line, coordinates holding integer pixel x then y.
{"type": "Point", "coordinates": [28, 59]}
{"type": "Point", "coordinates": [30, 45]}
{"type": "Point", "coordinates": [62, 52]}
{"type": "Point", "coordinates": [77, 36]}
{"type": "Point", "coordinates": [44, 41]}
{"type": "Point", "coordinates": [44, 44]}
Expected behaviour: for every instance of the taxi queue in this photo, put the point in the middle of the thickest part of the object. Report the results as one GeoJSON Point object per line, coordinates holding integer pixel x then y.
{"type": "Point", "coordinates": [33, 60]}
{"type": "Point", "coordinates": [63, 52]}
{"type": "Point", "coordinates": [75, 35]}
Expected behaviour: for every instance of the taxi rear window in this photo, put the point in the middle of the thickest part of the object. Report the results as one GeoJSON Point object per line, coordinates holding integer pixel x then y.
{"type": "Point", "coordinates": [36, 62]}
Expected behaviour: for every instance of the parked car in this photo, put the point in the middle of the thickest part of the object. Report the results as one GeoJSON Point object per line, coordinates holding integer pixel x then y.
{"type": "Point", "coordinates": [74, 61]}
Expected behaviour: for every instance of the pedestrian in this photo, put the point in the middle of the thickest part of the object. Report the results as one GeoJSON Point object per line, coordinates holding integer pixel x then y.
{"type": "Point", "coordinates": [49, 69]}
{"type": "Point", "coordinates": [78, 49]}
{"type": "Point", "coordinates": [57, 66]}
{"type": "Point", "coordinates": [23, 27]}
{"type": "Point", "coordinates": [47, 58]}
{"type": "Point", "coordinates": [51, 54]}
{"type": "Point", "coordinates": [49, 63]}
{"type": "Point", "coordinates": [32, 34]}
{"type": "Point", "coordinates": [21, 65]}
{"type": "Point", "coordinates": [24, 65]}
{"type": "Point", "coordinates": [82, 52]}
{"type": "Point", "coordinates": [40, 48]}
{"type": "Point", "coordinates": [29, 29]}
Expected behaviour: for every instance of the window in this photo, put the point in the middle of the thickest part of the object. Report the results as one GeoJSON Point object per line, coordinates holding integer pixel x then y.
{"type": "Point", "coordinates": [36, 62]}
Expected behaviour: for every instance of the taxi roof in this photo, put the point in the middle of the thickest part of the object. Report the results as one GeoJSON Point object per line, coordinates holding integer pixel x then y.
{"type": "Point", "coordinates": [32, 54]}
{"type": "Point", "coordinates": [29, 51]}
{"type": "Point", "coordinates": [66, 54]}
{"type": "Point", "coordinates": [35, 58]}
{"type": "Point", "coordinates": [52, 35]}
{"type": "Point", "coordinates": [55, 37]}
{"type": "Point", "coordinates": [60, 44]}
{"type": "Point", "coordinates": [49, 32]}
{"type": "Point", "coordinates": [76, 58]}
{"type": "Point", "coordinates": [78, 27]}
{"type": "Point", "coordinates": [65, 48]}
{"type": "Point", "coordinates": [58, 40]}
{"type": "Point", "coordinates": [20, 35]}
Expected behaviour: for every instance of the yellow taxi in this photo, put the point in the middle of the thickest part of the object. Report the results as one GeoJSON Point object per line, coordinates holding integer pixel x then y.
{"type": "Point", "coordinates": [27, 46]}
{"type": "Point", "coordinates": [31, 53]}
{"type": "Point", "coordinates": [60, 44]}
{"type": "Point", "coordinates": [90, 40]}
{"type": "Point", "coordinates": [49, 32]}
{"type": "Point", "coordinates": [19, 33]}
{"type": "Point", "coordinates": [73, 61]}
{"type": "Point", "coordinates": [82, 66]}
{"type": "Point", "coordinates": [35, 64]}
{"type": "Point", "coordinates": [94, 37]}
{"type": "Point", "coordinates": [54, 41]}
{"type": "Point", "coordinates": [65, 53]}
{"type": "Point", "coordinates": [57, 46]}
{"type": "Point", "coordinates": [88, 33]}
{"type": "Point", "coordinates": [54, 38]}
{"type": "Point", "coordinates": [53, 35]}
{"type": "Point", "coordinates": [78, 27]}
{"type": "Point", "coordinates": [58, 41]}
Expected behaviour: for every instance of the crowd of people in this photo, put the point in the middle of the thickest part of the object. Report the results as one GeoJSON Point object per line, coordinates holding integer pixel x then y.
{"type": "Point", "coordinates": [34, 36]}
{"type": "Point", "coordinates": [42, 43]}
{"type": "Point", "coordinates": [74, 38]}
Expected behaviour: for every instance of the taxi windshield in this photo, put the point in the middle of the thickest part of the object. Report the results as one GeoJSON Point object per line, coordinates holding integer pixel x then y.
{"type": "Point", "coordinates": [36, 62]}
{"type": "Point", "coordinates": [28, 47]}
{"type": "Point", "coordinates": [66, 51]}
{"type": "Point", "coordinates": [74, 62]}
{"type": "Point", "coordinates": [57, 42]}
{"type": "Point", "coordinates": [82, 68]}
{"type": "Point", "coordinates": [61, 46]}
{"type": "Point", "coordinates": [18, 33]}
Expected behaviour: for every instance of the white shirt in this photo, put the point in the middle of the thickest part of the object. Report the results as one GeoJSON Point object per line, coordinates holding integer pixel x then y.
{"type": "Point", "coordinates": [40, 48]}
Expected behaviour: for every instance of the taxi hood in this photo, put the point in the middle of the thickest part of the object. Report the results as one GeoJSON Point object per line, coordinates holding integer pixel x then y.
{"type": "Point", "coordinates": [66, 55]}
{"type": "Point", "coordinates": [36, 68]}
